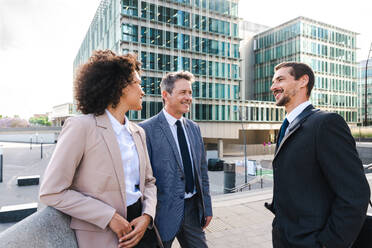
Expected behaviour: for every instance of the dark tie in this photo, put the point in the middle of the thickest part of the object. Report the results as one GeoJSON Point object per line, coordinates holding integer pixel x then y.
{"type": "Point", "coordinates": [283, 128]}
{"type": "Point", "coordinates": [186, 161]}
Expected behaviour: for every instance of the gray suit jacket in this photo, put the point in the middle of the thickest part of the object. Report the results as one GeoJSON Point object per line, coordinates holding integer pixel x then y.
{"type": "Point", "coordinates": [168, 171]}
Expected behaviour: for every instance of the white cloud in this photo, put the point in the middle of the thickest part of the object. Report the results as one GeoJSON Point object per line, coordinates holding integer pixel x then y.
{"type": "Point", "coordinates": [38, 43]}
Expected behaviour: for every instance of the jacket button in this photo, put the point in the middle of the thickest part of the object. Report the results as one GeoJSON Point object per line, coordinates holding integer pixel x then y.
{"type": "Point", "coordinates": [182, 178]}
{"type": "Point", "coordinates": [182, 196]}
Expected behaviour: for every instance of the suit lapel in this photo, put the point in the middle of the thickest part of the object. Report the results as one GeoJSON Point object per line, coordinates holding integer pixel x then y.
{"type": "Point", "coordinates": [110, 139]}
{"type": "Point", "coordinates": [141, 153]}
{"type": "Point", "coordinates": [164, 125]}
{"type": "Point", "coordinates": [295, 125]}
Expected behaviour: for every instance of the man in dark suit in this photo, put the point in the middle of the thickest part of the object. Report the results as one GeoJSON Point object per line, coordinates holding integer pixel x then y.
{"type": "Point", "coordinates": [177, 156]}
{"type": "Point", "coordinates": [320, 191]}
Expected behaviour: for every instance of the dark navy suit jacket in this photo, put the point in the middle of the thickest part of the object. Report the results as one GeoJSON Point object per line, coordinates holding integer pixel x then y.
{"type": "Point", "coordinates": [320, 191]}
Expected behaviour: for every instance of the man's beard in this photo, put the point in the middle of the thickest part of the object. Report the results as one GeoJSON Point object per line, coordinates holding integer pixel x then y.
{"type": "Point", "coordinates": [283, 101]}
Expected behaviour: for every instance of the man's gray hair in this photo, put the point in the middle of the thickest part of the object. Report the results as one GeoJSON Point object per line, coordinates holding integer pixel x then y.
{"type": "Point", "coordinates": [167, 83]}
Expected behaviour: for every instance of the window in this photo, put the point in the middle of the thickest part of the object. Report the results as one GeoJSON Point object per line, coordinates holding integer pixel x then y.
{"type": "Point", "coordinates": [204, 90]}
{"type": "Point", "coordinates": [167, 62]}
{"type": "Point", "coordinates": [196, 21]}
{"type": "Point", "coordinates": [204, 23]}
{"type": "Point", "coordinates": [144, 10]}
{"type": "Point", "coordinates": [204, 45]}
{"type": "Point", "coordinates": [235, 71]}
{"type": "Point", "coordinates": [130, 7]}
{"type": "Point", "coordinates": [168, 39]}
{"type": "Point", "coordinates": [195, 66]}
{"type": "Point", "coordinates": [161, 14]}
{"type": "Point", "coordinates": [196, 44]}
{"type": "Point", "coordinates": [236, 51]}
{"type": "Point", "coordinates": [144, 60]}
{"type": "Point", "coordinates": [195, 89]}
{"type": "Point", "coordinates": [152, 61]}
{"type": "Point", "coordinates": [186, 64]}
{"type": "Point", "coordinates": [130, 32]}
{"type": "Point", "coordinates": [235, 30]}
{"type": "Point", "coordinates": [152, 12]}
{"type": "Point", "coordinates": [144, 35]}
{"type": "Point", "coordinates": [152, 36]}
{"type": "Point", "coordinates": [161, 62]}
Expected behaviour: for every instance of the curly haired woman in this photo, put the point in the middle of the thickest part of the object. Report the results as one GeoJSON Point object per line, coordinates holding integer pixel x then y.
{"type": "Point", "coordinates": [100, 173]}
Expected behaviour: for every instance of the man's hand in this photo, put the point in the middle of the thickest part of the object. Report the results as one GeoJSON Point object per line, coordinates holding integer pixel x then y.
{"type": "Point", "coordinates": [119, 225]}
{"type": "Point", "coordinates": [207, 221]}
{"type": "Point", "coordinates": [140, 224]}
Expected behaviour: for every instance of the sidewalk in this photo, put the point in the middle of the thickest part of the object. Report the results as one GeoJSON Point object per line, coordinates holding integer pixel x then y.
{"type": "Point", "coordinates": [240, 220]}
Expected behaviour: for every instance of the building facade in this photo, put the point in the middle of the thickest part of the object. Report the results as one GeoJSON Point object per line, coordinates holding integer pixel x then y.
{"type": "Point", "coordinates": [329, 50]}
{"type": "Point", "coordinates": [362, 71]}
{"type": "Point", "coordinates": [247, 32]}
{"type": "Point", "coordinates": [197, 36]}
{"type": "Point", "coordinates": [200, 36]}
{"type": "Point", "coordinates": [60, 113]}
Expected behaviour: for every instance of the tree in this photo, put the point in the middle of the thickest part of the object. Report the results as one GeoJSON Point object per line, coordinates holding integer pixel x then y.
{"type": "Point", "coordinates": [42, 121]}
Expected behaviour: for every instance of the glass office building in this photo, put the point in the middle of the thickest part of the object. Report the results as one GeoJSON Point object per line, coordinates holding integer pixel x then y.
{"type": "Point", "coordinates": [200, 36]}
{"type": "Point", "coordinates": [329, 50]}
{"type": "Point", "coordinates": [361, 88]}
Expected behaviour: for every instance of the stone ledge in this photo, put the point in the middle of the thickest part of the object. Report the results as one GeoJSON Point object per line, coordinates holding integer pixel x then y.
{"type": "Point", "coordinates": [47, 228]}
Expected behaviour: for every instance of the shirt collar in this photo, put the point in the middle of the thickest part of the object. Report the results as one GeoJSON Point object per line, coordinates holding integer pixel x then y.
{"type": "Point", "coordinates": [170, 119]}
{"type": "Point", "coordinates": [116, 125]}
{"type": "Point", "coordinates": [294, 113]}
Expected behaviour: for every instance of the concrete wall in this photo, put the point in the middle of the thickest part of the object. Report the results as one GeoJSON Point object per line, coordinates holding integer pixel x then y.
{"type": "Point", "coordinates": [37, 134]}
{"type": "Point", "coordinates": [362, 131]}
{"type": "Point", "coordinates": [47, 228]}
{"type": "Point", "coordinates": [238, 150]}
{"type": "Point", "coordinates": [25, 138]}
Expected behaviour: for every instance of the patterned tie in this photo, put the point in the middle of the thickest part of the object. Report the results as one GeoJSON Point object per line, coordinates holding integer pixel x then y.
{"type": "Point", "coordinates": [283, 128]}
{"type": "Point", "coordinates": [186, 161]}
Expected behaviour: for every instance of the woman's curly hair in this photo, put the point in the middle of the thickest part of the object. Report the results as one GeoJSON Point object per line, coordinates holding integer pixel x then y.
{"type": "Point", "coordinates": [99, 82]}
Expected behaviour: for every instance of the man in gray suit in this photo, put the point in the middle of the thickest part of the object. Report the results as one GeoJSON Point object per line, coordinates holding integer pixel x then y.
{"type": "Point", "coordinates": [177, 156]}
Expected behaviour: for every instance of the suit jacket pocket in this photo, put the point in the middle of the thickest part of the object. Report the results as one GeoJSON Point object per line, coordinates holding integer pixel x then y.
{"type": "Point", "coordinates": [95, 182]}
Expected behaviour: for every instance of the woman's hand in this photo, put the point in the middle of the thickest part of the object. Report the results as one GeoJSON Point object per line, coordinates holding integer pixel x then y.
{"type": "Point", "coordinates": [119, 225]}
{"type": "Point", "coordinates": [140, 224]}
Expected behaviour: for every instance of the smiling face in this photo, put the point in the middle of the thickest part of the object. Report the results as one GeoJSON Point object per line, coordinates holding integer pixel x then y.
{"type": "Point", "coordinates": [179, 101]}
{"type": "Point", "coordinates": [285, 87]}
{"type": "Point", "coordinates": [133, 93]}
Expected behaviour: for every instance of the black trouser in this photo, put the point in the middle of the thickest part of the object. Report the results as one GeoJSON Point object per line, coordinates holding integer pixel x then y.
{"type": "Point", "coordinates": [149, 238]}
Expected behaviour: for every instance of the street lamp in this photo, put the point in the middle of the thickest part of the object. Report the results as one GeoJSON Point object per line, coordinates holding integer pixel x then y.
{"type": "Point", "coordinates": [245, 145]}
{"type": "Point", "coordinates": [365, 89]}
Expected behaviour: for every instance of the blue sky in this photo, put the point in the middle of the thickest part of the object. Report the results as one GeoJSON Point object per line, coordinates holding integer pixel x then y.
{"type": "Point", "coordinates": [40, 38]}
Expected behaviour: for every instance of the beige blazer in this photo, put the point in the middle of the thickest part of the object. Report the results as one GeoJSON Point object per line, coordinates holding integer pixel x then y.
{"type": "Point", "coordinates": [85, 178]}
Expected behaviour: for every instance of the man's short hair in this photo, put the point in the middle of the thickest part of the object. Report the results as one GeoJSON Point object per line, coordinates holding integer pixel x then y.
{"type": "Point", "coordinates": [167, 83]}
{"type": "Point", "coordinates": [298, 70]}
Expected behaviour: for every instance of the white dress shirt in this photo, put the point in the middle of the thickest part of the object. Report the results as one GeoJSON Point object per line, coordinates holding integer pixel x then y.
{"type": "Point", "coordinates": [295, 112]}
{"type": "Point", "coordinates": [129, 158]}
{"type": "Point", "coordinates": [173, 127]}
